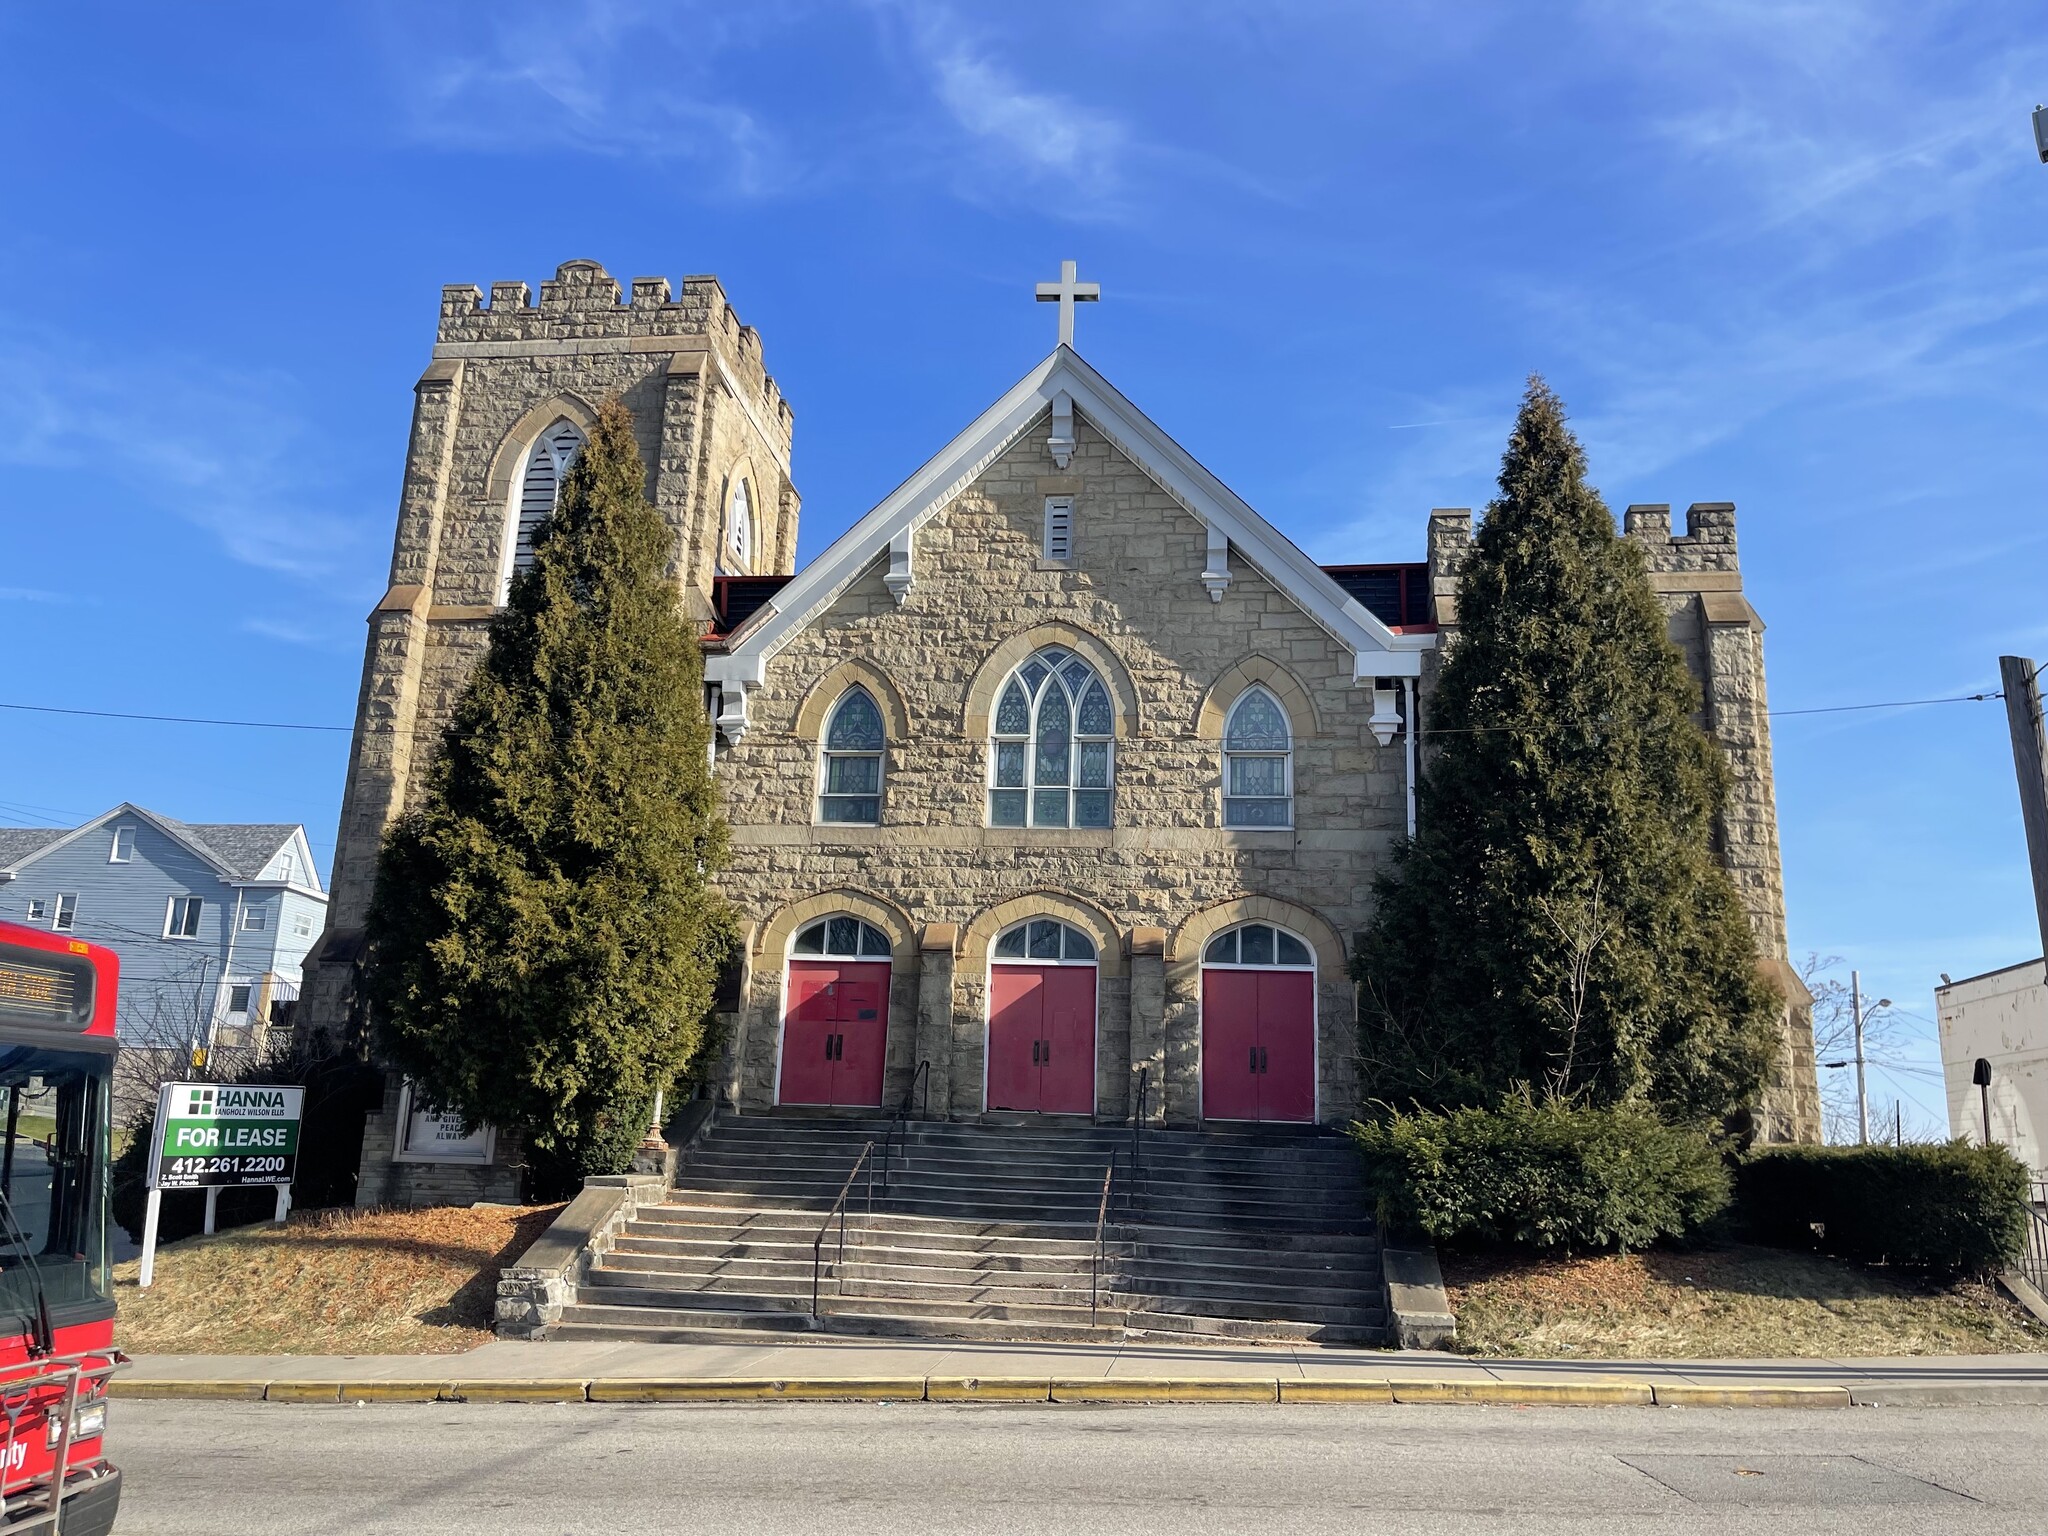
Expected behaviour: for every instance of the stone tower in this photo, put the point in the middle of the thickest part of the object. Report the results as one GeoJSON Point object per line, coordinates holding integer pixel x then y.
{"type": "Point", "coordinates": [511, 388]}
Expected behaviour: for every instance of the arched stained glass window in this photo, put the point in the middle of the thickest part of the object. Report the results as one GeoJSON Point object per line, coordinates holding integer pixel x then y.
{"type": "Point", "coordinates": [1258, 768]}
{"type": "Point", "coordinates": [1051, 760]}
{"type": "Point", "coordinates": [541, 486]}
{"type": "Point", "coordinates": [850, 787]}
{"type": "Point", "coordinates": [1044, 941]}
{"type": "Point", "coordinates": [842, 938]}
{"type": "Point", "coordinates": [1259, 945]}
{"type": "Point", "coordinates": [739, 529]}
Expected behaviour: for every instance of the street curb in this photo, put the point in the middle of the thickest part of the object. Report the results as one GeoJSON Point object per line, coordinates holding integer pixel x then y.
{"type": "Point", "coordinates": [1336, 1389]}
{"type": "Point", "coordinates": [1681, 1394]}
{"type": "Point", "coordinates": [1527, 1394]}
{"type": "Point", "coordinates": [1182, 1389]}
{"type": "Point", "coordinates": [1479, 1391]}
{"type": "Point", "coordinates": [206, 1391]}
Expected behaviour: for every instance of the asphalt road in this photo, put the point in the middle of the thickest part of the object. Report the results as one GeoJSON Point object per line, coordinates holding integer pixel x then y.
{"type": "Point", "coordinates": [580, 1470]}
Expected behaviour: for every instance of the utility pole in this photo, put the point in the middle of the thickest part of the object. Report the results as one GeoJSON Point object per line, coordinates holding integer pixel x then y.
{"type": "Point", "coordinates": [1862, 1098]}
{"type": "Point", "coordinates": [2020, 677]}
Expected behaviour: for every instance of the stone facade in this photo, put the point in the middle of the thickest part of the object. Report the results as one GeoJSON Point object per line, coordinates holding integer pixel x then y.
{"type": "Point", "coordinates": [1176, 594]}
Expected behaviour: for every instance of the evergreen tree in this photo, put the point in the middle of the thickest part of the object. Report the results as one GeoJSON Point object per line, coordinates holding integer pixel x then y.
{"type": "Point", "coordinates": [544, 939]}
{"type": "Point", "coordinates": [1560, 920]}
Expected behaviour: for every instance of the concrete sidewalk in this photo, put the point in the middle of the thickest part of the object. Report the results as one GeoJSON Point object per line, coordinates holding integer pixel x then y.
{"type": "Point", "coordinates": [857, 1368]}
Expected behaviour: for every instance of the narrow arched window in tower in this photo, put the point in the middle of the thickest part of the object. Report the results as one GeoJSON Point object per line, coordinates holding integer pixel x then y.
{"type": "Point", "coordinates": [739, 530]}
{"type": "Point", "coordinates": [1258, 766]}
{"type": "Point", "coordinates": [850, 782]}
{"type": "Point", "coordinates": [539, 488]}
{"type": "Point", "coordinates": [1051, 757]}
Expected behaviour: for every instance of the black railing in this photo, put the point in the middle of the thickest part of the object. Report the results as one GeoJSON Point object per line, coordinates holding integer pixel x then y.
{"type": "Point", "coordinates": [2033, 1262]}
{"type": "Point", "coordinates": [839, 1210]}
{"type": "Point", "coordinates": [1095, 1257]}
{"type": "Point", "coordinates": [920, 1089]}
{"type": "Point", "coordinates": [1137, 1157]}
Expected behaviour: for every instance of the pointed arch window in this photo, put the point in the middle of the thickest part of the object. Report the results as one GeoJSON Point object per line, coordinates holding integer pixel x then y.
{"type": "Point", "coordinates": [739, 529]}
{"type": "Point", "coordinates": [1258, 763]}
{"type": "Point", "coordinates": [850, 782]}
{"type": "Point", "coordinates": [540, 486]}
{"type": "Point", "coordinates": [1051, 759]}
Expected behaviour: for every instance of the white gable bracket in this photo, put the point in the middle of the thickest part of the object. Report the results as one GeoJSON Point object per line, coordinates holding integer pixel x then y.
{"type": "Point", "coordinates": [1062, 440]}
{"type": "Point", "coordinates": [1216, 564]}
{"type": "Point", "coordinates": [898, 577]}
{"type": "Point", "coordinates": [732, 711]}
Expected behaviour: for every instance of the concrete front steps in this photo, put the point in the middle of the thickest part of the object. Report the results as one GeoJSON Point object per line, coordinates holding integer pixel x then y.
{"type": "Point", "coordinates": [988, 1233]}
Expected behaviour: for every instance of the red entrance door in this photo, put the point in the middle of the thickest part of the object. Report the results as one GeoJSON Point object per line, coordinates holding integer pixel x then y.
{"type": "Point", "coordinates": [1258, 1045]}
{"type": "Point", "coordinates": [836, 1033]}
{"type": "Point", "coordinates": [1041, 1038]}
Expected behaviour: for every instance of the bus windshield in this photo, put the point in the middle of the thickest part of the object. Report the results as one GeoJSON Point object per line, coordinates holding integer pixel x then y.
{"type": "Point", "coordinates": [53, 1171]}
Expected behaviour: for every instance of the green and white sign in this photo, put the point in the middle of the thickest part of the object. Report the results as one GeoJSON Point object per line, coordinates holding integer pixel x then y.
{"type": "Point", "coordinates": [216, 1135]}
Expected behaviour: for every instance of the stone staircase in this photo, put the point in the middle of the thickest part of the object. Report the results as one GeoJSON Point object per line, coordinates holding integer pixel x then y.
{"type": "Point", "coordinates": [988, 1232]}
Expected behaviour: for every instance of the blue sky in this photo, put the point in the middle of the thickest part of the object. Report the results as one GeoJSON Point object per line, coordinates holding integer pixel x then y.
{"type": "Point", "coordinates": [1789, 255]}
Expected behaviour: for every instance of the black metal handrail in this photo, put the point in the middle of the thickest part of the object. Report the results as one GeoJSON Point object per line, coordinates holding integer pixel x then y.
{"type": "Point", "coordinates": [839, 1210]}
{"type": "Point", "coordinates": [1095, 1258]}
{"type": "Point", "coordinates": [2033, 1260]}
{"type": "Point", "coordinates": [920, 1087]}
{"type": "Point", "coordinates": [1137, 1124]}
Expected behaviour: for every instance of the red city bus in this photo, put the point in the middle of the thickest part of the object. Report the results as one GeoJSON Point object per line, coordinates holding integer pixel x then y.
{"type": "Point", "coordinates": [56, 1293]}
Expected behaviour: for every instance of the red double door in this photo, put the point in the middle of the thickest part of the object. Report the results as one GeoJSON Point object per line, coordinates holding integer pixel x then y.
{"type": "Point", "coordinates": [1258, 1045]}
{"type": "Point", "coordinates": [1041, 1038]}
{"type": "Point", "coordinates": [835, 1035]}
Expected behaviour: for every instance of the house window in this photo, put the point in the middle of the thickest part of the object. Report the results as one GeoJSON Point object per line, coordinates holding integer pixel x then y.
{"type": "Point", "coordinates": [66, 914]}
{"type": "Point", "coordinates": [284, 868]}
{"type": "Point", "coordinates": [181, 917]}
{"type": "Point", "coordinates": [1059, 528]}
{"type": "Point", "coordinates": [1258, 771]}
{"type": "Point", "coordinates": [302, 925]}
{"type": "Point", "coordinates": [851, 781]}
{"type": "Point", "coordinates": [1051, 757]}
{"type": "Point", "coordinates": [739, 525]}
{"type": "Point", "coordinates": [540, 487]}
{"type": "Point", "coordinates": [1259, 945]}
{"type": "Point", "coordinates": [38, 909]}
{"type": "Point", "coordinates": [238, 997]}
{"type": "Point", "coordinates": [254, 920]}
{"type": "Point", "coordinates": [843, 938]}
{"type": "Point", "coordinates": [124, 846]}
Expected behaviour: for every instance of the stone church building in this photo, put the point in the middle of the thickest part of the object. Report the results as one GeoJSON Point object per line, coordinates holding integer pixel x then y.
{"type": "Point", "coordinates": [1062, 775]}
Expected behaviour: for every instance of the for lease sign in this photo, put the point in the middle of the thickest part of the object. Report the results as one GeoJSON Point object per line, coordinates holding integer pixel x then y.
{"type": "Point", "coordinates": [225, 1133]}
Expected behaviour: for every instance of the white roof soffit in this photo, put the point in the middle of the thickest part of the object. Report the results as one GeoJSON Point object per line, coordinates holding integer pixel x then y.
{"type": "Point", "coordinates": [956, 466]}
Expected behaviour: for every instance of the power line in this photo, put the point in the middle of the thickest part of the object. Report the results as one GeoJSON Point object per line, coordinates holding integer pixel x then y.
{"type": "Point", "coordinates": [283, 725]}
{"type": "Point", "coordinates": [114, 714]}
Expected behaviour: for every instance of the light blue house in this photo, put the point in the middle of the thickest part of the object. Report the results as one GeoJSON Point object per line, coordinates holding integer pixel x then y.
{"type": "Point", "coordinates": [211, 922]}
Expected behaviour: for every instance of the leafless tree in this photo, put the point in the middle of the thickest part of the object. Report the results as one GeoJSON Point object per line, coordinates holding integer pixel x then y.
{"type": "Point", "coordinates": [1582, 928]}
{"type": "Point", "coordinates": [1834, 1040]}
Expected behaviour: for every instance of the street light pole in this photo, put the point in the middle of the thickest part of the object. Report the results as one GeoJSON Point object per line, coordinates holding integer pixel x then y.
{"type": "Point", "coordinates": [1862, 1097]}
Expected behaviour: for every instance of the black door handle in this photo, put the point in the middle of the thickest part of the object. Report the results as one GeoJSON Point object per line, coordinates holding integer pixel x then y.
{"type": "Point", "coordinates": [1262, 1058]}
{"type": "Point", "coordinates": [1048, 1051]}
{"type": "Point", "coordinates": [1253, 1064]}
{"type": "Point", "coordinates": [1034, 1053]}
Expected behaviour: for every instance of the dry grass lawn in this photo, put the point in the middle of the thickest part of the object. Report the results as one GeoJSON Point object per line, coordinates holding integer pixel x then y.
{"type": "Point", "coordinates": [1721, 1303]}
{"type": "Point", "coordinates": [329, 1283]}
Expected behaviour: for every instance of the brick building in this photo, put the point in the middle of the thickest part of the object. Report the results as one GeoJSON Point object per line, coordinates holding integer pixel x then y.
{"type": "Point", "coordinates": [1062, 770]}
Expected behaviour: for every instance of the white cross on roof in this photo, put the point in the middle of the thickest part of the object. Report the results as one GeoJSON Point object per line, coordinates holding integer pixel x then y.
{"type": "Point", "coordinates": [1067, 292]}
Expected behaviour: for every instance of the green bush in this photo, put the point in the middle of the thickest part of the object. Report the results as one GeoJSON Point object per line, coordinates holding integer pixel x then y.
{"type": "Point", "coordinates": [1549, 1176]}
{"type": "Point", "coordinates": [1947, 1210]}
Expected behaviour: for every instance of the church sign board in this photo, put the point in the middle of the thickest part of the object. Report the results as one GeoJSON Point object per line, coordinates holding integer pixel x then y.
{"type": "Point", "coordinates": [429, 1135]}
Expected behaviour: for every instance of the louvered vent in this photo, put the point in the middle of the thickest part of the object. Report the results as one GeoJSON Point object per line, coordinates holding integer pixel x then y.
{"type": "Point", "coordinates": [545, 467]}
{"type": "Point", "coordinates": [1059, 528]}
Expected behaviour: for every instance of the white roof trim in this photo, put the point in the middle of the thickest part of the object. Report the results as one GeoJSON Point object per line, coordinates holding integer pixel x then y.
{"type": "Point", "coordinates": [125, 809]}
{"type": "Point", "coordinates": [1136, 435]}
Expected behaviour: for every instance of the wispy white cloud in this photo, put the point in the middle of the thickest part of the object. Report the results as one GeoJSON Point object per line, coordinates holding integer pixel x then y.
{"type": "Point", "coordinates": [215, 447]}
{"type": "Point", "coordinates": [611, 77]}
{"type": "Point", "coordinates": [38, 595]}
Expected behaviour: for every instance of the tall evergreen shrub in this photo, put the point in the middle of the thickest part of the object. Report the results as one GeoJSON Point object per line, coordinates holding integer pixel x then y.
{"type": "Point", "coordinates": [544, 937]}
{"type": "Point", "coordinates": [1560, 919]}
